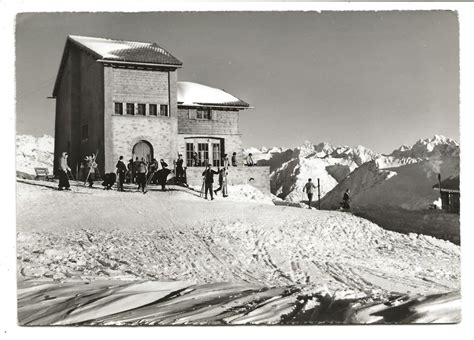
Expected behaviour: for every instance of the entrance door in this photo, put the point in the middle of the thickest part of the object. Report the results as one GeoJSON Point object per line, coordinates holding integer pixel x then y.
{"type": "Point", "coordinates": [143, 149]}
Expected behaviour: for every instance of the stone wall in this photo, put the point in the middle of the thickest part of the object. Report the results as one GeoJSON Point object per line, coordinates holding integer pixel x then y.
{"type": "Point", "coordinates": [223, 122]}
{"type": "Point", "coordinates": [129, 130]}
{"type": "Point", "coordinates": [236, 175]}
{"type": "Point", "coordinates": [124, 131]}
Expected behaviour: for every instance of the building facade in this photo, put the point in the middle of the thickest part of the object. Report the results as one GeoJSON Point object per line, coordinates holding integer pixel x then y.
{"type": "Point", "coordinates": [122, 98]}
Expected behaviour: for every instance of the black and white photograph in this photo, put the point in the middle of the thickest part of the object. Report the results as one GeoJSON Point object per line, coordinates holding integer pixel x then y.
{"type": "Point", "coordinates": [223, 168]}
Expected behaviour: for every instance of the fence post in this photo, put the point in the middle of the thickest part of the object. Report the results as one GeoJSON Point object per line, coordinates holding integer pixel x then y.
{"type": "Point", "coordinates": [319, 196]}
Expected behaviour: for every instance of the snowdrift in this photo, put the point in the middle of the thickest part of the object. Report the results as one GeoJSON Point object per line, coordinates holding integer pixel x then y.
{"type": "Point", "coordinates": [32, 152]}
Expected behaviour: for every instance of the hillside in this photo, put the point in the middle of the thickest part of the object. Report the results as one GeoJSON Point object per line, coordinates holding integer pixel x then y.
{"type": "Point", "coordinates": [411, 189]}
{"type": "Point", "coordinates": [403, 179]}
{"type": "Point", "coordinates": [290, 169]}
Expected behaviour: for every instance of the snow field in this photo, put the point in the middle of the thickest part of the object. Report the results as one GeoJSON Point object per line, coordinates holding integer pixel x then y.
{"type": "Point", "coordinates": [179, 236]}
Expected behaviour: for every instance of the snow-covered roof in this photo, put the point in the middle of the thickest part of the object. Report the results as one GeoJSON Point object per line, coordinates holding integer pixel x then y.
{"type": "Point", "coordinates": [130, 51]}
{"type": "Point", "coordinates": [194, 94]}
{"type": "Point", "coordinates": [118, 51]}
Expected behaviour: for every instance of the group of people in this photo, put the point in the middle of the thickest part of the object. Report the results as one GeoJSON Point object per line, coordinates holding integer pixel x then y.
{"type": "Point", "coordinates": [208, 180]}
{"type": "Point", "coordinates": [143, 173]}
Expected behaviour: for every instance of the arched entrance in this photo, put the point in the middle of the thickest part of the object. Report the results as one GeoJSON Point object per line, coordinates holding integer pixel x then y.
{"type": "Point", "coordinates": [143, 149]}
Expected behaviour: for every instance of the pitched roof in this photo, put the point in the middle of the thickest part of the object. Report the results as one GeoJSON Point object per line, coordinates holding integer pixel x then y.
{"type": "Point", "coordinates": [449, 184]}
{"type": "Point", "coordinates": [129, 51]}
{"type": "Point", "coordinates": [118, 51]}
{"type": "Point", "coordinates": [194, 94]}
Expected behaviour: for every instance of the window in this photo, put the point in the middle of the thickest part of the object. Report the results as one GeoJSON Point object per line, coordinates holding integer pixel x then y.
{"type": "Point", "coordinates": [141, 109]}
{"type": "Point", "coordinates": [118, 108]}
{"type": "Point", "coordinates": [84, 132]}
{"type": "Point", "coordinates": [189, 154]}
{"type": "Point", "coordinates": [203, 114]}
{"type": "Point", "coordinates": [216, 154]}
{"type": "Point", "coordinates": [203, 154]}
{"type": "Point", "coordinates": [164, 110]}
{"type": "Point", "coordinates": [152, 109]}
{"type": "Point", "coordinates": [130, 108]}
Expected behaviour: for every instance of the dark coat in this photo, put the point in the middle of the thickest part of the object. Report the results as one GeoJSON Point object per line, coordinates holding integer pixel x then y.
{"type": "Point", "coordinates": [109, 180]}
{"type": "Point", "coordinates": [209, 175]}
{"type": "Point", "coordinates": [121, 168]}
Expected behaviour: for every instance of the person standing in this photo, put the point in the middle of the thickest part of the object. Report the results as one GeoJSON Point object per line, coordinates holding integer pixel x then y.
{"type": "Point", "coordinates": [91, 167]}
{"type": "Point", "coordinates": [346, 199]}
{"type": "Point", "coordinates": [225, 161]}
{"type": "Point", "coordinates": [250, 160]}
{"type": "Point", "coordinates": [195, 158]}
{"type": "Point", "coordinates": [234, 159]}
{"type": "Point", "coordinates": [129, 175]}
{"type": "Point", "coordinates": [141, 176]}
{"type": "Point", "coordinates": [309, 187]}
{"type": "Point", "coordinates": [179, 169]}
{"type": "Point", "coordinates": [135, 170]}
{"type": "Point", "coordinates": [209, 180]}
{"type": "Point", "coordinates": [153, 170]}
{"type": "Point", "coordinates": [63, 169]}
{"type": "Point", "coordinates": [222, 175]}
{"type": "Point", "coordinates": [121, 170]}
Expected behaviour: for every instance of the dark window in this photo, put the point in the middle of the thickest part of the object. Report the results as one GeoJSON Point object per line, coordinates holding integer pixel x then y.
{"type": "Point", "coordinates": [152, 110]}
{"type": "Point", "coordinates": [203, 114]}
{"type": "Point", "coordinates": [141, 109]}
{"type": "Point", "coordinates": [216, 154]}
{"type": "Point", "coordinates": [164, 110]}
{"type": "Point", "coordinates": [203, 154]}
{"type": "Point", "coordinates": [189, 154]}
{"type": "Point", "coordinates": [118, 108]}
{"type": "Point", "coordinates": [84, 132]}
{"type": "Point", "coordinates": [130, 108]}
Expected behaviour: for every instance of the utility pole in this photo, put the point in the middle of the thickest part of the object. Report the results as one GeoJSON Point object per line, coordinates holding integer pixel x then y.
{"type": "Point", "coordinates": [439, 183]}
{"type": "Point", "coordinates": [319, 195]}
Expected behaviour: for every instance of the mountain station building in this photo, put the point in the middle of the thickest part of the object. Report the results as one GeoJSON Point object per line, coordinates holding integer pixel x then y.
{"type": "Point", "coordinates": [123, 98]}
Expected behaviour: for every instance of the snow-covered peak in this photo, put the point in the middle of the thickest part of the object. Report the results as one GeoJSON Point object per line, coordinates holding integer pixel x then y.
{"type": "Point", "coordinates": [424, 148]}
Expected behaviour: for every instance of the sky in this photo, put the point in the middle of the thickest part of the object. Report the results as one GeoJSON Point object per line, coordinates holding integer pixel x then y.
{"type": "Point", "coordinates": [377, 79]}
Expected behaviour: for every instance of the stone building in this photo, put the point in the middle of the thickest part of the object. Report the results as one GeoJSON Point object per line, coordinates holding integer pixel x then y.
{"type": "Point", "coordinates": [118, 98]}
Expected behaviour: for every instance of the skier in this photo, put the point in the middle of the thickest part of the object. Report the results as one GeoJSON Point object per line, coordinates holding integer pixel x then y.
{"type": "Point", "coordinates": [308, 187]}
{"type": "Point", "coordinates": [63, 169]}
{"type": "Point", "coordinates": [121, 170]}
{"type": "Point", "coordinates": [234, 159]}
{"type": "Point", "coordinates": [153, 169]}
{"type": "Point", "coordinates": [91, 167]}
{"type": "Point", "coordinates": [222, 175]}
{"type": "Point", "coordinates": [129, 175]}
{"type": "Point", "coordinates": [208, 181]}
{"type": "Point", "coordinates": [141, 175]}
{"type": "Point", "coordinates": [179, 169]}
{"type": "Point", "coordinates": [250, 160]}
{"type": "Point", "coordinates": [346, 199]}
{"type": "Point", "coordinates": [225, 161]}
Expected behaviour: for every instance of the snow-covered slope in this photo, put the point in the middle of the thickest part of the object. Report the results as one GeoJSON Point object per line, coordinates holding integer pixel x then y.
{"type": "Point", "coordinates": [290, 169]}
{"type": "Point", "coordinates": [403, 179]}
{"type": "Point", "coordinates": [32, 152]}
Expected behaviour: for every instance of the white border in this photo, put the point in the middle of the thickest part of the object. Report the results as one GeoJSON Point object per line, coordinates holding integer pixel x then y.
{"type": "Point", "coordinates": [8, 328]}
